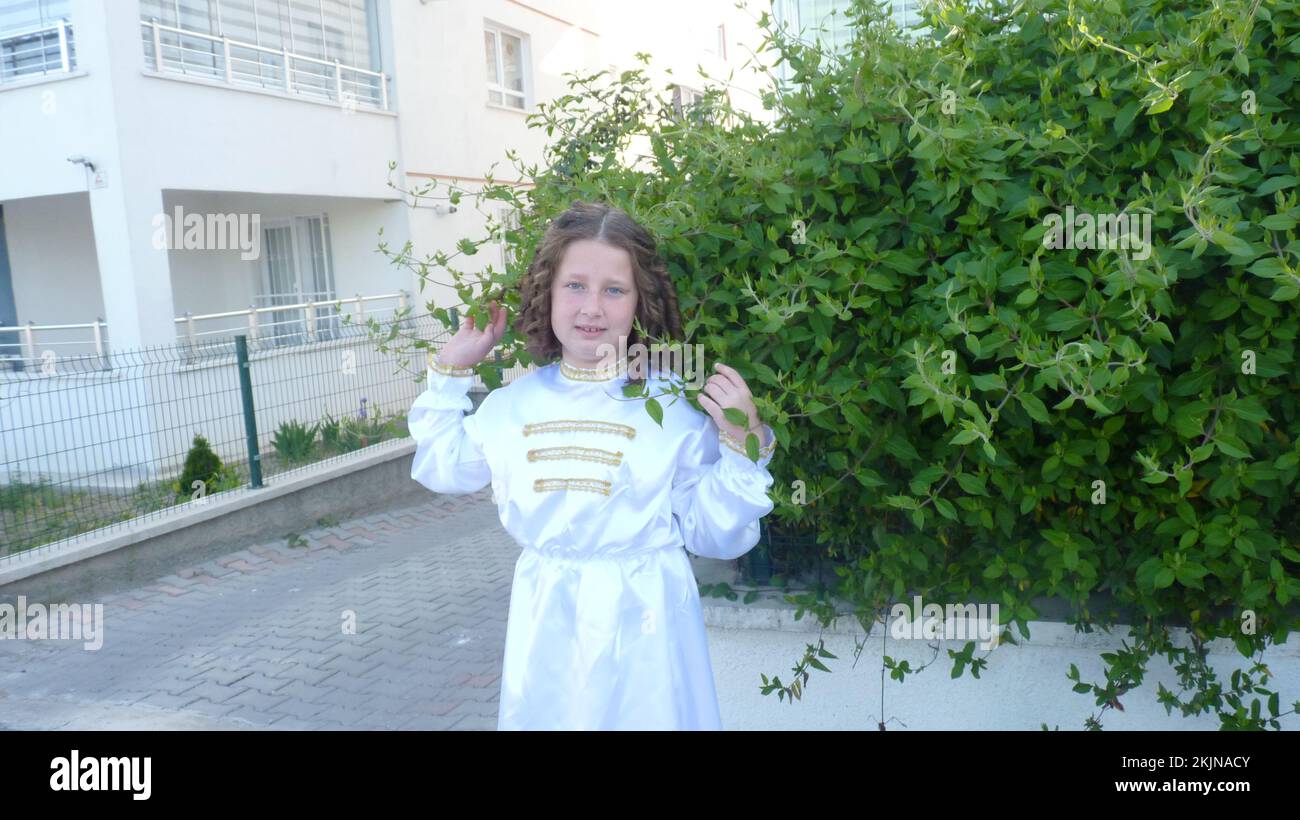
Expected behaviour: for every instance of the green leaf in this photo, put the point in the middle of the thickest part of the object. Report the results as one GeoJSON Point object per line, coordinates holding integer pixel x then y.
{"type": "Point", "coordinates": [878, 281]}
{"type": "Point", "coordinates": [1275, 184]}
{"type": "Point", "coordinates": [1233, 245]}
{"type": "Point", "coordinates": [1070, 555]}
{"type": "Point", "coordinates": [945, 508]}
{"type": "Point", "coordinates": [1244, 546]}
{"type": "Point", "coordinates": [1160, 105]}
{"type": "Point", "coordinates": [989, 382]}
{"type": "Point", "coordinates": [972, 483]}
{"type": "Point", "coordinates": [1270, 267]}
{"type": "Point", "coordinates": [657, 412]}
{"type": "Point", "coordinates": [1034, 407]}
{"type": "Point", "coordinates": [1278, 222]}
{"type": "Point", "coordinates": [985, 194]}
{"type": "Point", "coordinates": [1231, 445]}
{"type": "Point", "coordinates": [965, 437]}
{"type": "Point", "coordinates": [1124, 118]}
{"type": "Point", "coordinates": [732, 414]}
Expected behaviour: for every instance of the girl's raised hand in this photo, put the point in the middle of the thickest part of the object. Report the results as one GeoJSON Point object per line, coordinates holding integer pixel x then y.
{"type": "Point", "coordinates": [470, 345]}
{"type": "Point", "coordinates": [727, 388]}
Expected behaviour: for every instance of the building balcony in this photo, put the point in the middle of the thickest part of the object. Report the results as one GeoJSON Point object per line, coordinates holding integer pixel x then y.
{"type": "Point", "coordinates": [37, 54]}
{"type": "Point", "coordinates": [176, 51]}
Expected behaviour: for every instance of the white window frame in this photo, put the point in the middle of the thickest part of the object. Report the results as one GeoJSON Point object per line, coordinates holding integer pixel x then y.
{"type": "Point", "coordinates": [717, 42]}
{"type": "Point", "coordinates": [525, 68]}
{"type": "Point", "coordinates": [685, 98]}
{"type": "Point", "coordinates": [507, 219]}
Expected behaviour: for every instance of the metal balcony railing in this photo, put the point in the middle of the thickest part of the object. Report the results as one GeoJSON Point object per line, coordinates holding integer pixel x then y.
{"type": "Point", "coordinates": [37, 52]}
{"type": "Point", "coordinates": [169, 49]}
{"type": "Point", "coordinates": [273, 321]}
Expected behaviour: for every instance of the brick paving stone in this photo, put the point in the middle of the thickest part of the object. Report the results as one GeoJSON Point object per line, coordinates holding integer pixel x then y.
{"type": "Point", "coordinates": [254, 639]}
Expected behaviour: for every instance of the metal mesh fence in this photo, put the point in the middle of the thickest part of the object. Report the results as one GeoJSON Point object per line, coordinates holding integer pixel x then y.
{"type": "Point", "coordinates": [139, 433]}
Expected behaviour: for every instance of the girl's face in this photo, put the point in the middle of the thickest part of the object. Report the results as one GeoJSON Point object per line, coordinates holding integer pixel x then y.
{"type": "Point", "coordinates": [593, 302]}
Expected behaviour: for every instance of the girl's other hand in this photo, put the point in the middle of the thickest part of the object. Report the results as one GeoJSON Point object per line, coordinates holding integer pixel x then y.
{"type": "Point", "coordinates": [727, 388]}
{"type": "Point", "coordinates": [469, 345]}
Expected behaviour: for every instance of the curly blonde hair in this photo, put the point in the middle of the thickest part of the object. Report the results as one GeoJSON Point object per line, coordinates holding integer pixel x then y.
{"type": "Point", "coordinates": [656, 307]}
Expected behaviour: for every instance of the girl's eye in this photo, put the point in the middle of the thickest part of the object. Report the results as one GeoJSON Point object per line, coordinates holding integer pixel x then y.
{"type": "Point", "coordinates": [618, 290]}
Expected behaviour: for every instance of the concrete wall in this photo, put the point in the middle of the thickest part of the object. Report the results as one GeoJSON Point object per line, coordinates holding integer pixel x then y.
{"type": "Point", "coordinates": [1021, 688]}
{"type": "Point", "coordinates": [52, 255]}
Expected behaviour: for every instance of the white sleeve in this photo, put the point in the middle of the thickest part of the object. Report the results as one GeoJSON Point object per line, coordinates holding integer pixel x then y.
{"type": "Point", "coordinates": [449, 454]}
{"type": "Point", "coordinates": [719, 495]}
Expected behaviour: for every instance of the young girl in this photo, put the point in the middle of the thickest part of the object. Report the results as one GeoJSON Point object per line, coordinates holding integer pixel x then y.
{"type": "Point", "coordinates": [605, 629]}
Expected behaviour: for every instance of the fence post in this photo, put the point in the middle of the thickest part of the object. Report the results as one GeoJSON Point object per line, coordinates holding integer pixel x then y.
{"type": "Point", "coordinates": [63, 46]}
{"type": "Point", "coordinates": [157, 46]}
{"type": "Point", "coordinates": [29, 341]}
{"type": "Point", "coordinates": [250, 418]}
{"type": "Point", "coordinates": [225, 49]}
{"type": "Point", "coordinates": [99, 341]}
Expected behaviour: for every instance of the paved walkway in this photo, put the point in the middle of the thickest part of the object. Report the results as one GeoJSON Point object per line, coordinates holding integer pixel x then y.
{"type": "Point", "coordinates": [255, 639]}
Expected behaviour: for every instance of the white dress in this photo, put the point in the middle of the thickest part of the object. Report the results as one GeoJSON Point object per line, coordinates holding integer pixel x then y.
{"type": "Point", "coordinates": [605, 629]}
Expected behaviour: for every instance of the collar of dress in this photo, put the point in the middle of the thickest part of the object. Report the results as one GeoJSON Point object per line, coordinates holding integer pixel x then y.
{"type": "Point", "coordinates": [594, 374]}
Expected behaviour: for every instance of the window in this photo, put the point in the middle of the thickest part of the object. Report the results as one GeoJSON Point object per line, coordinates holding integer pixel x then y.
{"type": "Point", "coordinates": [686, 101]}
{"type": "Point", "coordinates": [505, 67]}
{"type": "Point", "coordinates": [827, 21]}
{"type": "Point", "coordinates": [823, 21]}
{"type": "Point", "coordinates": [29, 38]}
{"type": "Point", "coordinates": [321, 29]}
{"type": "Point", "coordinates": [298, 267]}
{"type": "Point", "coordinates": [25, 15]}
{"type": "Point", "coordinates": [325, 30]}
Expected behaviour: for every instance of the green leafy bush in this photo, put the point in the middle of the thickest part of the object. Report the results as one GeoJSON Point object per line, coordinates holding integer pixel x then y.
{"type": "Point", "coordinates": [982, 411]}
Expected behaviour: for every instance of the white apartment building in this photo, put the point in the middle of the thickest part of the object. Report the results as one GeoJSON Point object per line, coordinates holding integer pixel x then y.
{"type": "Point", "coordinates": [114, 113]}
{"type": "Point", "coordinates": [125, 123]}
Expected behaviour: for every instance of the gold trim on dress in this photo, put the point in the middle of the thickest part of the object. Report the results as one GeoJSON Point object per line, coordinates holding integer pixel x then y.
{"type": "Point", "coordinates": [739, 446]}
{"type": "Point", "coordinates": [580, 425]}
{"type": "Point", "coordinates": [582, 453]}
{"type": "Point", "coordinates": [593, 374]}
{"type": "Point", "coordinates": [594, 485]}
{"type": "Point", "coordinates": [447, 370]}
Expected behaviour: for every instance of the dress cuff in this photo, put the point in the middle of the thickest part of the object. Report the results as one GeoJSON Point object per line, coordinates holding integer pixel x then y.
{"type": "Point", "coordinates": [733, 449]}
{"type": "Point", "coordinates": [442, 376]}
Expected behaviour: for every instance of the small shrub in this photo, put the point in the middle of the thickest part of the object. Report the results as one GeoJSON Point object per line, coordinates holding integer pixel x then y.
{"type": "Point", "coordinates": [329, 433]}
{"type": "Point", "coordinates": [201, 464]}
{"type": "Point", "coordinates": [295, 442]}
